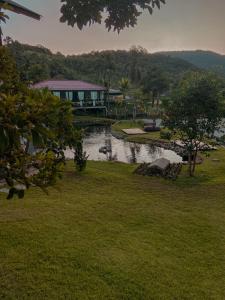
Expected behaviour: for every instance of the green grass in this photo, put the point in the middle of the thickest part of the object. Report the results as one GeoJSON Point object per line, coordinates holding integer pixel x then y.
{"type": "Point", "coordinates": [110, 234]}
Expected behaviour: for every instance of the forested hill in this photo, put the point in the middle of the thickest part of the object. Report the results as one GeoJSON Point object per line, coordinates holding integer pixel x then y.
{"type": "Point", "coordinates": [202, 59]}
{"type": "Point", "coordinates": [37, 63]}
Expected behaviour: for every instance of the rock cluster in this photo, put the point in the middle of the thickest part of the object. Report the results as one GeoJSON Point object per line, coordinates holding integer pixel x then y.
{"type": "Point", "coordinates": [161, 168]}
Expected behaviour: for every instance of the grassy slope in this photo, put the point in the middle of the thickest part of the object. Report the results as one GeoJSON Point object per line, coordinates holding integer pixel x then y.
{"type": "Point", "coordinates": [109, 234]}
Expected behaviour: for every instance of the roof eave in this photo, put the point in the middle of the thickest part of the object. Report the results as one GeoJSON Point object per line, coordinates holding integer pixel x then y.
{"type": "Point", "coordinates": [19, 9]}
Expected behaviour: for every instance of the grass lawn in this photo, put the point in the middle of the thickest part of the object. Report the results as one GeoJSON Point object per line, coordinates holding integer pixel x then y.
{"type": "Point", "coordinates": [109, 234]}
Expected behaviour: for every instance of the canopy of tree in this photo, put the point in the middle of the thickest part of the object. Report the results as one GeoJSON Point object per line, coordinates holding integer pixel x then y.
{"type": "Point", "coordinates": [119, 14]}
{"type": "Point", "coordinates": [194, 111]}
{"type": "Point", "coordinates": [31, 119]}
{"type": "Point", "coordinates": [38, 63]}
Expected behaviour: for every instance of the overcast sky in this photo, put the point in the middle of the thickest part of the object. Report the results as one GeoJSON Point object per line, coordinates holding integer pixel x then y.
{"type": "Point", "coordinates": [180, 25]}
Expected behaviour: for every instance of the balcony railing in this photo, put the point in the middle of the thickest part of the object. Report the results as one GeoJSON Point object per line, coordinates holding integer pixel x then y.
{"type": "Point", "coordinates": [89, 103]}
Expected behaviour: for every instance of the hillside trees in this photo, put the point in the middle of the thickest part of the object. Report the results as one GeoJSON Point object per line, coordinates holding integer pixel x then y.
{"type": "Point", "coordinates": [96, 66]}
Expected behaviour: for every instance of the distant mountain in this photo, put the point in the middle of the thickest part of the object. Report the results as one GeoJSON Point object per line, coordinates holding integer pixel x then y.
{"type": "Point", "coordinates": [37, 63]}
{"type": "Point", "coordinates": [207, 60]}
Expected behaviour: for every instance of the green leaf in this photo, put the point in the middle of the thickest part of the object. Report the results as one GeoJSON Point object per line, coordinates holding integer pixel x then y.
{"type": "Point", "coordinates": [4, 140]}
{"type": "Point", "coordinates": [36, 139]}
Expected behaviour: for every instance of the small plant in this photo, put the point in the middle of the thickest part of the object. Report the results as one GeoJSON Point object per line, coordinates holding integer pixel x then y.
{"type": "Point", "coordinates": [80, 157]}
{"type": "Point", "coordinates": [166, 134]}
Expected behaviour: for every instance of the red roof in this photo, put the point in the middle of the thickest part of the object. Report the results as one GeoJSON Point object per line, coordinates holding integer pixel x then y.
{"type": "Point", "coordinates": [68, 85]}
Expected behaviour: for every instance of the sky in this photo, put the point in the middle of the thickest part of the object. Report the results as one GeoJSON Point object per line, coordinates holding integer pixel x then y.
{"type": "Point", "coordinates": [179, 25]}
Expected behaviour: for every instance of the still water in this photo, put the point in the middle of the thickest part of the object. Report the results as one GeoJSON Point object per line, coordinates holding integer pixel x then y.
{"type": "Point", "coordinates": [100, 139]}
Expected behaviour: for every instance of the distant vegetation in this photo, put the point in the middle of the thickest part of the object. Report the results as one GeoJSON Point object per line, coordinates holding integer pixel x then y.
{"type": "Point", "coordinates": [36, 63]}
{"type": "Point", "coordinates": [207, 60]}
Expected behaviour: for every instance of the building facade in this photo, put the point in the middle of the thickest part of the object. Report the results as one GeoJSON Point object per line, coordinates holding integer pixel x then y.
{"type": "Point", "coordinates": [84, 95]}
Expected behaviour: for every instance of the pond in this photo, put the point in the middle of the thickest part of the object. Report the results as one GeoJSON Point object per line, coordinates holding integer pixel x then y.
{"type": "Point", "coordinates": [101, 145]}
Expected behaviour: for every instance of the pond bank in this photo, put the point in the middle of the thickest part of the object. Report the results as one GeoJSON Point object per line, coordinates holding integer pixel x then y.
{"type": "Point", "coordinates": [100, 144]}
{"type": "Point", "coordinates": [150, 138]}
{"type": "Point", "coordinates": [83, 121]}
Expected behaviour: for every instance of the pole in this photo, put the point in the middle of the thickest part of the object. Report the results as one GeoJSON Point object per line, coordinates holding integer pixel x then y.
{"type": "Point", "coordinates": [0, 31]}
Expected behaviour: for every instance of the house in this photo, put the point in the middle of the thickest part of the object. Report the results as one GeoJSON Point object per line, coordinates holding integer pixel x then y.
{"type": "Point", "coordinates": [84, 95]}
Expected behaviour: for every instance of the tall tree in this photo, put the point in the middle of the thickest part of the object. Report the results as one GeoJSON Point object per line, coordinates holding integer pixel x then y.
{"type": "Point", "coordinates": [124, 85]}
{"type": "Point", "coordinates": [119, 14]}
{"type": "Point", "coordinates": [31, 118]}
{"type": "Point", "coordinates": [195, 111]}
{"type": "Point", "coordinates": [155, 82]}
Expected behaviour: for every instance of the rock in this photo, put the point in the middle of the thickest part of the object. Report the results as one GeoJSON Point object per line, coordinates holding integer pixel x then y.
{"type": "Point", "coordinates": [104, 150]}
{"type": "Point", "coordinates": [160, 164]}
{"type": "Point", "coordinates": [149, 128]}
{"type": "Point", "coordinates": [161, 167]}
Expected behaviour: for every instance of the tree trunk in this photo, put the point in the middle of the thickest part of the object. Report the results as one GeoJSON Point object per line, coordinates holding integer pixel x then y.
{"type": "Point", "coordinates": [116, 113]}
{"type": "Point", "coordinates": [157, 101]}
{"type": "Point", "coordinates": [194, 162]}
{"type": "Point", "coordinates": [190, 163]}
{"type": "Point", "coordinates": [134, 112]}
{"type": "Point", "coordinates": [153, 101]}
{"type": "Point", "coordinates": [1, 35]}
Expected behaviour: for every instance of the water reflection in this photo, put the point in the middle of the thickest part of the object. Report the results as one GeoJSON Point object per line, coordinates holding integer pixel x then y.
{"type": "Point", "coordinates": [101, 145]}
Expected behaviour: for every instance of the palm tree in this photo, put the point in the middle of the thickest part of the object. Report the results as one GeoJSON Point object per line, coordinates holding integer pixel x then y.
{"type": "Point", "coordinates": [155, 83]}
{"type": "Point", "coordinates": [124, 87]}
{"type": "Point", "coordinates": [16, 8]}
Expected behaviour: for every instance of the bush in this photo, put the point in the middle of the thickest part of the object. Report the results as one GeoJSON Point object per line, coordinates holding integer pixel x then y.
{"type": "Point", "coordinates": [166, 134]}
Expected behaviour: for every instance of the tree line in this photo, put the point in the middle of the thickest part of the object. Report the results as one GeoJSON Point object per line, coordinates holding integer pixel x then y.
{"type": "Point", "coordinates": [36, 63]}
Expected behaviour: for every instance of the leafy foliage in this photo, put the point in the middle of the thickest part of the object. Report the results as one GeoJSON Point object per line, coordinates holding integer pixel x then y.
{"type": "Point", "coordinates": [195, 111]}
{"type": "Point", "coordinates": [80, 157]}
{"type": "Point", "coordinates": [35, 129]}
{"type": "Point", "coordinates": [155, 82]}
{"type": "Point", "coordinates": [120, 14]}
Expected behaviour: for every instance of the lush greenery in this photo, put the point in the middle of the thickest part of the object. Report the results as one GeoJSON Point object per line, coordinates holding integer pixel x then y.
{"type": "Point", "coordinates": [35, 129]}
{"type": "Point", "coordinates": [117, 14]}
{"type": "Point", "coordinates": [109, 234]}
{"type": "Point", "coordinates": [38, 63]}
{"type": "Point", "coordinates": [194, 112]}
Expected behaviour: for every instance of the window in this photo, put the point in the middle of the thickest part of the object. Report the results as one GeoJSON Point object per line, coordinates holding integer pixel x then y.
{"type": "Point", "coordinates": [101, 95]}
{"type": "Point", "coordinates": [57, 94]}
{"type": "Point", "coordinates": [81, 96]}
{"type": "Point", "coordinates": [69, 96]}
{"type": "Point", "coordinates": [63, 95]}
{"type": "Point", "coordinates": [94, 95]}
